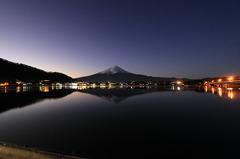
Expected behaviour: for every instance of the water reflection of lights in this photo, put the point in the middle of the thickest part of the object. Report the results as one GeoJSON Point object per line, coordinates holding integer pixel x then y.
{"type": "Point", "coordinates": [220, 92]}
{"type": "Point", "coordinates": [111, 87]}
{"type": "Point", "coordinates": [149, 87]}
{"type": "Point", "coordinates": [44, 88]}
{"type": "Point", "coordinates": [178, 88]}
{"type": "Point", "coordinates": [18, 89]}
{"type": "Point", "coordinates": [82, 87]}
{"type": "Point", "coordinates": [230, 93]}
{"type": "Point", "coordinates": [102, 86]}
{"type": "Point", "coordinates": [59, 87]}
{"type": "Point", "coordinates": [132, 87]}
{"type": "Point", "coordinates": [141, 86]}
{"type": "Point", "coordinates": [71, 86]}
{"type": "Point", "coordinates": [206, 88]}
{"type": "Point", "coordinates": [93, 86]}
{"type": "Point", "coordinates": [74, 87]}
{"type": "Point", "coordinates": [213, 90]}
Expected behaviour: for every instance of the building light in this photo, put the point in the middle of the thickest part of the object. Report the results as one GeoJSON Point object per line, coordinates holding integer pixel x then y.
{"type": "Point", "coordinates": [18, 83]}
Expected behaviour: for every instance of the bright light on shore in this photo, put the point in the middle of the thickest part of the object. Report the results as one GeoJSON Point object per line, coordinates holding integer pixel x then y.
{"type": "Point", "coordinates": [230, 78]}
{"type": "Point", "coordinates": [179, 82]}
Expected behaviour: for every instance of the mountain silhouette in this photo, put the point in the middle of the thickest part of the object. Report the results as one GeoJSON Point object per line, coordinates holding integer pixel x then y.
{"type": "Point", "coordinates": [117, 74]}
{"type": "Point", "coordinates": [14, 71]}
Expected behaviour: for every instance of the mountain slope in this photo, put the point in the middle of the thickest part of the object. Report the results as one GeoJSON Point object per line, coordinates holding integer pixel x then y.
{"type": "Point", "coordinates": [118, 74]}
{"type": "Point", "coordinates": [15, 71]}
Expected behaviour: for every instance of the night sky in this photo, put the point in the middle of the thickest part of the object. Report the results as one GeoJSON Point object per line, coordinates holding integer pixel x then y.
{"type": "Point", "coordinates": [164, 38]}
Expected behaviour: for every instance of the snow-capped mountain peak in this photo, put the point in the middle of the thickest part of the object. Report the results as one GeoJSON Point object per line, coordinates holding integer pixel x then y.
{"type": "Point", "coordinates": [114, 70]}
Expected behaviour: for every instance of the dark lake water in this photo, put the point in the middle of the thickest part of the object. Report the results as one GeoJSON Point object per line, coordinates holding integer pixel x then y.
{"type": "Point", "coordinates": [124, 122]}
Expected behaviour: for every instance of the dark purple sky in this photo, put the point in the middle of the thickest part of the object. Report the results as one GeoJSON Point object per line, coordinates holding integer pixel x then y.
{"type": "Point", "coordinates": [181, 38]}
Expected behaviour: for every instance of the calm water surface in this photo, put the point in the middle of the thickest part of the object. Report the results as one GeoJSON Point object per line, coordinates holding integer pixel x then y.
{"type": "Point", "coordinates": [124, 123]}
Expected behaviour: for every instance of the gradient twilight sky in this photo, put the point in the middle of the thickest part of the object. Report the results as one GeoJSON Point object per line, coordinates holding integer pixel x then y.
{"type": "Point", "coordinates": [164, 38]}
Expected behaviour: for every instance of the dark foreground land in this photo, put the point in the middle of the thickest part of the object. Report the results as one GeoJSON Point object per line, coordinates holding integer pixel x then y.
{"type": "Point", "coordinates": [11, 151]}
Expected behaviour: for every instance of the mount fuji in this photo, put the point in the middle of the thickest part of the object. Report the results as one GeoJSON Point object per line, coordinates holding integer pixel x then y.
{"type": "Point", "coordinates": [117, 74]}
{"type": "Point", "coordinates": [113, 70]}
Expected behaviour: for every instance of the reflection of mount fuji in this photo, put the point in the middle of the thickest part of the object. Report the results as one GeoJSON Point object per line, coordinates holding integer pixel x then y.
{"type": "Point", "coordinates": [118, 95]}
{"type": "Point", "coordinates": [18, 100]}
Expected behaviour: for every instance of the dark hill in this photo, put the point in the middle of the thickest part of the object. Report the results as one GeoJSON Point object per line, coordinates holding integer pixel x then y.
{"type": "Point", "coordinates": [11, 71]}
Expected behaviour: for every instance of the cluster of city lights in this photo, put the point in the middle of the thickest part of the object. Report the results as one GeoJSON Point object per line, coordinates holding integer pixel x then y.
{"type": "Point", "coordinates": [230, 79]}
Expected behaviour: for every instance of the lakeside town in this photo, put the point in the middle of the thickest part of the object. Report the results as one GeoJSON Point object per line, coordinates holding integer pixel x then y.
{"type": "Point", "coordinates": [225, 82]}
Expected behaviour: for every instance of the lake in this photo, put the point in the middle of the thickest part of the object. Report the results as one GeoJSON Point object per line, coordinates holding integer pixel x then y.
{"type": "Point", "coordinates": [123, 122]}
